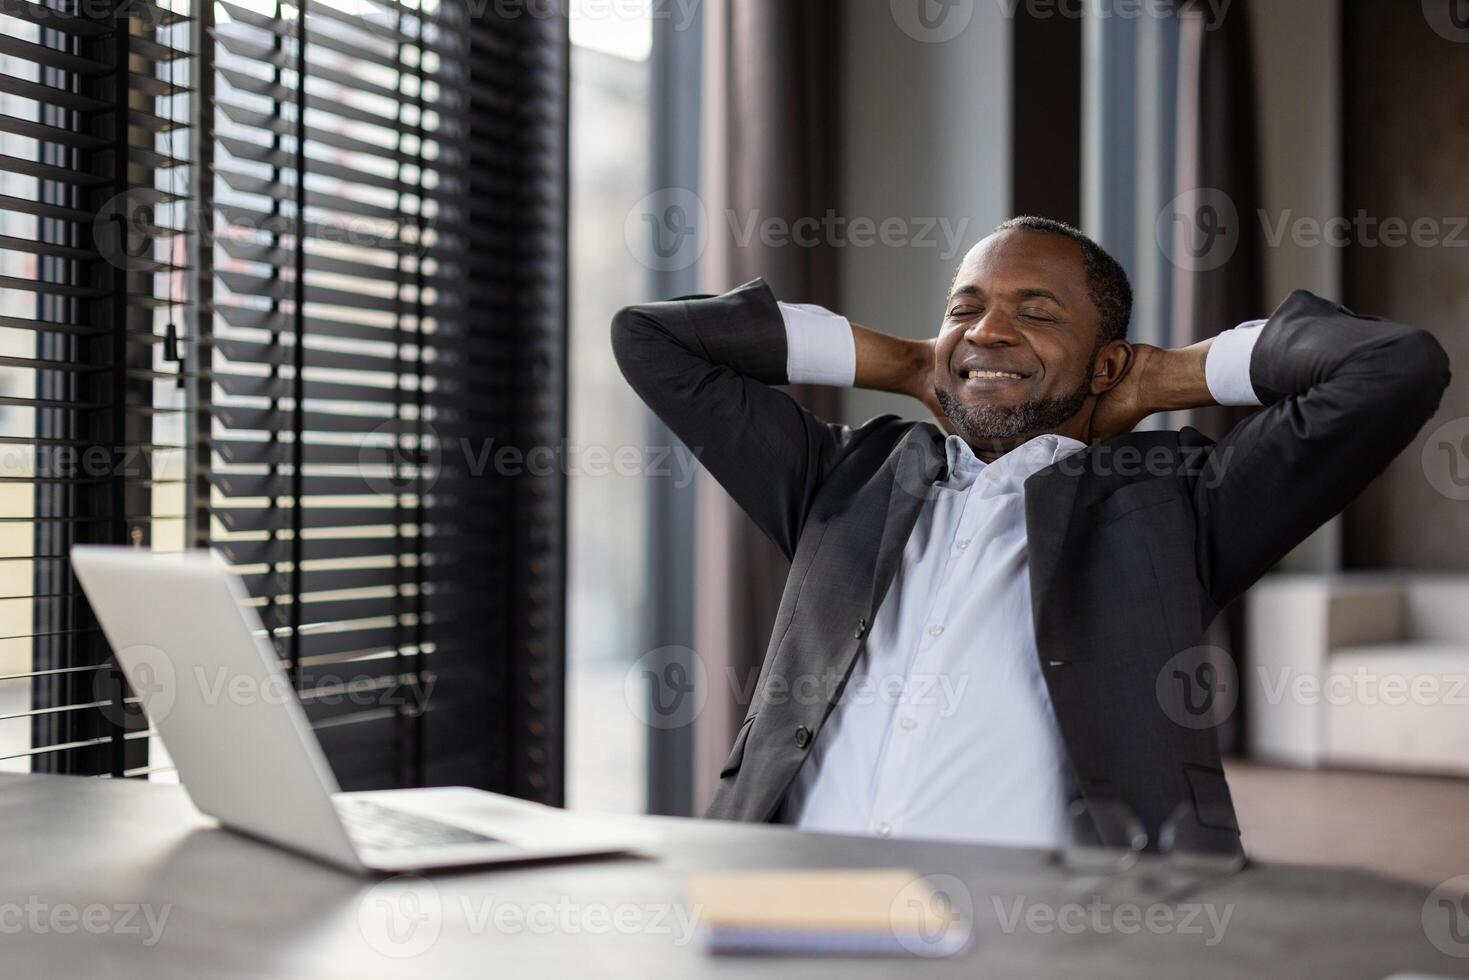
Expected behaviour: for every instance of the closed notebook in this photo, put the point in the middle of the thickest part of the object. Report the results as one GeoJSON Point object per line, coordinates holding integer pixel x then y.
{"type": "Point", "coordinates": [884, 912]}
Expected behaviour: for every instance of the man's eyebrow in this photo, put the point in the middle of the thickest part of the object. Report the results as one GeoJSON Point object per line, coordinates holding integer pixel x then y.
{"type": "Point", "coordinates": [1035, 292]}
{"type": "Point", "coordinates": [1029, 292]}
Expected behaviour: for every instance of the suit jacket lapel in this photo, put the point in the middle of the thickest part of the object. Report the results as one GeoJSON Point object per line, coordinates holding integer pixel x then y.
{"type": "Point", "coordinates": [1050, 495]}
{"type": "Point", "coordinates": [917, 462]}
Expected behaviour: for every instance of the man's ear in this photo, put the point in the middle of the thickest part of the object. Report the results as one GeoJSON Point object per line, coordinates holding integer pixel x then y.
{"type": "Point", "coordinates": [1111, 366]}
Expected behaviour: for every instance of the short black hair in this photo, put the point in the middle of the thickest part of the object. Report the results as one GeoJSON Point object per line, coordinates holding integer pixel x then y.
{"type": "Point", "coordinates": [1106, 280]}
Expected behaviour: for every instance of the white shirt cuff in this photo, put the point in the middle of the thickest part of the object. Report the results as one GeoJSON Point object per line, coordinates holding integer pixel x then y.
{"type": "Point", "coordinates": [1227, 367]}
{"type": "Point", "coordinates": [819, 346]}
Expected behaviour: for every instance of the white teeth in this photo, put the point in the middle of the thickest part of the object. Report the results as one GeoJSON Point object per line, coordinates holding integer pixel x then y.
{"type": "Point", "coordinates": [991, 374]}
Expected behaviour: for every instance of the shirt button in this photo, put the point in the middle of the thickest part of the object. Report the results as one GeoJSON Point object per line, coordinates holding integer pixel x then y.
{"type": "Point", "coordinates": [883, 829]}
{"type": "Point", "coordinates": [908, 724]}
{"type": "Point", "coordinates": [935, 631]}
{"type": "Point", "coordinates": [991, 474]}
{"type": "Point", "coordinates": [861, 629]}
{"type": "Point", "coordinates": [803, 736]}
{"type": "Point", "coordinates": [962, 543]}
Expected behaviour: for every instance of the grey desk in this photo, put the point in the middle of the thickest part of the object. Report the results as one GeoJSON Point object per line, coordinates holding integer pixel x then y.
{"type": "Point", "coordinates": [84, 863]}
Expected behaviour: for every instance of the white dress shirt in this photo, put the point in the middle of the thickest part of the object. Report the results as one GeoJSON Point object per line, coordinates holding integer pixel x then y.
{"type": "Point", "coordinates": [945, 728]}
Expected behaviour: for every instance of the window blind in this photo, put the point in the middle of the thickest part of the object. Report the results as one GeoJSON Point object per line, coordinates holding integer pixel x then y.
{"type": "Point", "coordinates": [387, 297]}
{"type": "Point", "coordinates": [93, 195]}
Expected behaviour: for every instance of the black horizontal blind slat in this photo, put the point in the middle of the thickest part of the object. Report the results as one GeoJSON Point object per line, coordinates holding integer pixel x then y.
{"type": "Point", "coordinates": [51, 57]}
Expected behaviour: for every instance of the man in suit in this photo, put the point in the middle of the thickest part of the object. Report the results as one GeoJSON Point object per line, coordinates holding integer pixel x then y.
{"type": "Point", "coordinates": [1043, 565]}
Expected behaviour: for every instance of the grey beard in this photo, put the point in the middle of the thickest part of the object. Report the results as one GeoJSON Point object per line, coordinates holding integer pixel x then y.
{"type": "Point", "coordinates": [985, 423]}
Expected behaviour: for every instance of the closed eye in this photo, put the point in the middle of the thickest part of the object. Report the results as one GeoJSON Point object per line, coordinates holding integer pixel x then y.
{"type": "Point", "coordinates": [959, 311]}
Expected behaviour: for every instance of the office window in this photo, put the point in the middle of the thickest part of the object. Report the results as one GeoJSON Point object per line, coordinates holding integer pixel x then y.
{"type": "Point", "coordinates": [387, 291]}
{"type": "Point", "coordinates": [376, 221]}
{"type": "Point", "coordinates": [326, 315]}
{"type": "Point", "coordinates": [608, 521]}
{"type": "Point", "coordinates": [94, 137]}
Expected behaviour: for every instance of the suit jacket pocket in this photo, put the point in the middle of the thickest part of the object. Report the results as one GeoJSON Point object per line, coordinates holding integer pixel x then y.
{"type": "Point", "coordinates": [1210, 790]}
{"type": "Point", "coordinates": [737, 754]}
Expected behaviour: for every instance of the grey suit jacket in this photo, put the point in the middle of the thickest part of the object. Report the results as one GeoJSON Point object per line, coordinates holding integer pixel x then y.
{"type": "Point", "coordinates": [1136, 543]}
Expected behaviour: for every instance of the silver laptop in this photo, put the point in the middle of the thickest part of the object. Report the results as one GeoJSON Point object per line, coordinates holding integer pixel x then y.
{"type": "Point", "coordinates": [197, 656]}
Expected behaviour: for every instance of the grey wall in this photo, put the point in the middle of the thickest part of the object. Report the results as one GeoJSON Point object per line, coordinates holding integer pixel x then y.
{"type": "Point", "coordinates": [925, 134]}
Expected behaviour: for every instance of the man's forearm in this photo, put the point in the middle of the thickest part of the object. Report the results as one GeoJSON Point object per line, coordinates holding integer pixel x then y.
{"type": "Point", "coordinates": [886, 363]}
{"type": "Point", "coordinates": [1175, 379]}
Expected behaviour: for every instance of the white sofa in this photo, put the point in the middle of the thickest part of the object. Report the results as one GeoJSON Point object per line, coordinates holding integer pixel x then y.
{"type": "Point", "coordinates": [1360, 670]}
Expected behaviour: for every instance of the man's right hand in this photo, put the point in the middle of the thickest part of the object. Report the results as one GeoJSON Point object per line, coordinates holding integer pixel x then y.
{"type": "Point", "coordinates": [897, 365]}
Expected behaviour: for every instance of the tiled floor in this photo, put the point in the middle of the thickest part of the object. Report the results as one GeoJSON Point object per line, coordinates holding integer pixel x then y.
{"type": "Point", "coordinates": [1413, 827]}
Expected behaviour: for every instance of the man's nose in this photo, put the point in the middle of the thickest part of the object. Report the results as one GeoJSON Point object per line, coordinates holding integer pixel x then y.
{"type": "Point", "coordinates": [994, 329]}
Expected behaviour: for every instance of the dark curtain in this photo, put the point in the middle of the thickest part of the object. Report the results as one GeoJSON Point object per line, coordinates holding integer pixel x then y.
{"type": "Point", "coordinates": [770, 115]}
{"type": "Point", "coordinates": [1220, 152]}
{"type": "Point", "coordinates": [1218, 155]}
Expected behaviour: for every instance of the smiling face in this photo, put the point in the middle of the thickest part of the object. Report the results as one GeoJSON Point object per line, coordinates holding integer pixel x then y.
{"type": "Point", "coordinates": [1017, 355]}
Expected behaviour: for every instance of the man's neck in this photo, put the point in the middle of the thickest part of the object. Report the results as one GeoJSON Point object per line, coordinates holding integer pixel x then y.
{"type": "Point", "coordinates": [990, 450]}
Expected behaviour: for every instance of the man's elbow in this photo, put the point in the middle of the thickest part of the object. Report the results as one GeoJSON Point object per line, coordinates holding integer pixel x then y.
{"type": "Point", "coordinates": [624, 331]}
{"type": "Point", "coordinates": [632, 329]}
{"type": "Point", "coordinates": [1422, 365]}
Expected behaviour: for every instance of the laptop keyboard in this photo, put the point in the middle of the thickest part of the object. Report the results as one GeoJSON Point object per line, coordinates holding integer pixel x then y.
{"type": "Point", "coordinates": [372, 825]}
